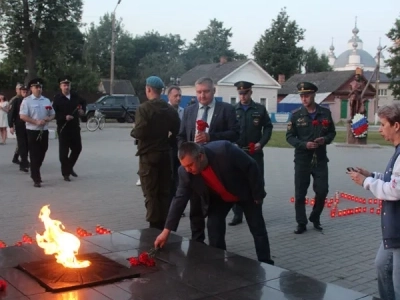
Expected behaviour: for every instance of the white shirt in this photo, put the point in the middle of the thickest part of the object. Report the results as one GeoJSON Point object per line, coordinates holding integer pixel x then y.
{"type": "Point", "coordinates": [179, 110]}
{"type": "Point", "coordinates": [35, 108]}
{"type": "Point", "coordinates": [209, 115]}
{"type": "Point", "coordinates": [385, 190]}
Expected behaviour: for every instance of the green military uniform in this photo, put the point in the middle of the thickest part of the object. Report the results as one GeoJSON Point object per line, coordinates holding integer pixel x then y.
{"type": "Point", "coordinates": [155, 123]}
{"type": "Point", "coordinates": [255, 127]}
{"type": "Point", "coordinates": [306, 127]}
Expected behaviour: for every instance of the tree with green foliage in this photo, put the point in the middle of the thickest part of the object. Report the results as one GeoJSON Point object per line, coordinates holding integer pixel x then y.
{"type": "Point", "coordinates": [210, 44]}
{"type": "Point", "coordinates": [312, 62]}
{"type": "Point", "coordinates": [277, 50]}
{"type": "Point", "coordinates": [394, 61]}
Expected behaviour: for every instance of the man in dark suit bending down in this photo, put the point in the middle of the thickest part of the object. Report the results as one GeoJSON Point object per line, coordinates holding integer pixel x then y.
{"type": "Point", "coordinates": [221, 118]}
{"type": "Point", "coordinates": [222, 175]}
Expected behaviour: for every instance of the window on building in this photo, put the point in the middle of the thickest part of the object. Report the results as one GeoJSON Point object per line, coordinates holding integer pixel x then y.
{"type": "Point", "coordinates": [233, 100]}
{"type": "Point", "coordinates": [263, 101]}
{"type": "Point", "coordinates": [382, 92]}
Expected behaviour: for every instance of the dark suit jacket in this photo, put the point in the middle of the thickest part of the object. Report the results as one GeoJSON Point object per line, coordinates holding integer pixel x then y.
{"type": "Point", "coordinates": [236, 170]}
{"type": "Point", "coordinates": [224, 125]}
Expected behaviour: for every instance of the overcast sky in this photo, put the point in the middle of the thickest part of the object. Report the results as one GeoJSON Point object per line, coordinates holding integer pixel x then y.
{"type": "Point", "coordinates": [249, 19]}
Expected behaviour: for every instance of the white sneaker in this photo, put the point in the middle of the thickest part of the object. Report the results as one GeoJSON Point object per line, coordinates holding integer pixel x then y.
{"type": "Point", "coordinates": [138, 182]}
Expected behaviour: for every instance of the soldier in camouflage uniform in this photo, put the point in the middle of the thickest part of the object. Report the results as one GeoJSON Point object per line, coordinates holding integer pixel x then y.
{"type": "Point", "coordinates": [156, 123]}
{"type": "Point", "coordinates": [310, 129]}
{"type": "Point", "coordinates": [255, 127]}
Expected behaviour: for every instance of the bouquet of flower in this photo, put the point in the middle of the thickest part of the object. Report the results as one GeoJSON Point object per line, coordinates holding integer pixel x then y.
{"type": "Point", "coordinates": [48, 109]}
{"type": "Point", "coordinates": [201, 125]}
{"type": "Point", "coordinates": [318, 130]}
{"type": "Point", "coordinates": [76, 109]}
{"type": "Point", "coordinates": [251, 148]}
{"type": "Point", "coordinates": [145, 258]}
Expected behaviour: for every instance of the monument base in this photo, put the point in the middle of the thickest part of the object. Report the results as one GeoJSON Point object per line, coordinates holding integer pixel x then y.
{"type": "Point", "coordinates": [351, 139]}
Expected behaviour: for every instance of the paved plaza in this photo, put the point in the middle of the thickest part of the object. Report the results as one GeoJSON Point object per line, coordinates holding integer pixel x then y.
{"type": "Point", "coordinates": [105, 193]}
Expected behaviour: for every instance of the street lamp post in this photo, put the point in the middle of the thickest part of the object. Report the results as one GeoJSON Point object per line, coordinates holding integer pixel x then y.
{"type": "Point", "coordinates": [113, 50]}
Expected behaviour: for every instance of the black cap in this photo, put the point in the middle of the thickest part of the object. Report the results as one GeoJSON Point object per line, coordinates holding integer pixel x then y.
{"type": "Point", "coordinates": [243, 85]}
{"type": "Point", "coordinates": [306, 88]}
{"type": "Point", "coordinates": [65, 79]}
{"type": "Point", "coordinates": [23, 87]}
{"type": "Point", "coordinates": [35, 82]}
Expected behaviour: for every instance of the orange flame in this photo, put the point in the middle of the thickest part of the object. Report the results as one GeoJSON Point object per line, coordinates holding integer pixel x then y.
{"type": "Point", "coordinates": [55, 240]}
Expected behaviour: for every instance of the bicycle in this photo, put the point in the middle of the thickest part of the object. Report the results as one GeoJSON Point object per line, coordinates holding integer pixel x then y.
{"type": "Point", "coordinates": [96, 122]}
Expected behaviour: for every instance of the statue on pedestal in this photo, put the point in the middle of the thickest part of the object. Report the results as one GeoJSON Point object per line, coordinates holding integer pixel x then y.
{"type": "Point", "coordinates": [357, 105]}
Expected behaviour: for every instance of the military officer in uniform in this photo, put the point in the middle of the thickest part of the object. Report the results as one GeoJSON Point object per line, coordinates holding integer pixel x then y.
{"type": "Point", "coordinates": [37, 112]}
{"type": "Point", "coordinates": [310, 129]}
{"type": "Point", "coordinates": [18, 126]}
{"type": "Point", "coordinates": [156, 122]}
{"type": "Point", "coordinates": [68, 107]}
{"type": "Point", "coordinates": [255, 127]}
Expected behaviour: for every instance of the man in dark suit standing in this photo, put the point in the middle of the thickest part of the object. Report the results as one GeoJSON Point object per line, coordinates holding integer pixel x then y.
{"type": "Point", "coordinates": [68, 107]}
{"type": "Point", "coordinates": [221, 118]}
{"type": "Point", "coordinates": [223, 175]}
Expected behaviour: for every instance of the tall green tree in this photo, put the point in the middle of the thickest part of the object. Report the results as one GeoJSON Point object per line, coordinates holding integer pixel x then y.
{"type": "Point", "coordinates": [41, 32]}
{"type": "Point", "coordinates": [394, 61]}
{"type": "Point", "coordinates": [277, 50]}
{"type": "Point", "coordinates": [312, 62]}
{"type": "Point", "coordinates": [210, 44]}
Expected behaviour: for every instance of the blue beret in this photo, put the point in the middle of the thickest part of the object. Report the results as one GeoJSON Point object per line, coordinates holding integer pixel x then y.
{"type": "Point", "coordinates": [155, 82]}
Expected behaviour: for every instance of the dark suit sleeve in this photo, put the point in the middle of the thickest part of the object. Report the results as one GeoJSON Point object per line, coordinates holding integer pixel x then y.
{"type": "Point", "coordinates": [291, 135]}
{"type": "Point", "coordinates": [60, 112]}
{"type": "Point", "coordinates": [232, 131]}
{"type": "Point", "coordinates": [141, 124]}
{"type": "Point", "coordinates": [182, 135]}
{"type": "Point", "coordinates": [331, 133]}
{"type": "Point", "coordinates": [267, 128]}
{"type": "Point", "coordinates": [248, 166]}
{"type": "Point", "coordinates": [180, 200]}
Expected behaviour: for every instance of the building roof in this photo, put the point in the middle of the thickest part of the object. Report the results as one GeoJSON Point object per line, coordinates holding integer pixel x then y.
{"type": "Point", "coordinates": [120, 87]}
{"type": "Point", "coordinates": [366, 59]}
{"type": "Point", "coordinates": [382, 77]}
{"type": "Point", "coordinates": [215, 71]}
{"type": "Point", "coordinates": [327, 82]}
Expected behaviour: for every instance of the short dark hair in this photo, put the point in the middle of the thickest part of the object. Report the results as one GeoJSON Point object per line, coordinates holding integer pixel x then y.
{"type": "Point", "coordinates": [173, 87]}
{"type": "Point", "coordinates": [390, 113]}
{"type": "Point", "coordinates": [189, 148]}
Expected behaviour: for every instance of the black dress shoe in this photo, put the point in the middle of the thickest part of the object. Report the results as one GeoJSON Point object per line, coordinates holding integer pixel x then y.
{"type": "Point", "coordinates": [26, 170]}
{"type": "Point", "coordinates": [300, 229]}
{"type": "Point", "coordinates": [269, 261]}
{"type": "Point", "coordinates": [16, 161]}
{"type": "Point", "coordinates": [235, 222]}
{"type": "Point", "coordinates": [37, 184]}
{"type": "Point", "coordinates": [73, 173]}
{"type": "Point", "coordinates": [317, 226]}
{"type": "Point", "coordinates": [66, 178]}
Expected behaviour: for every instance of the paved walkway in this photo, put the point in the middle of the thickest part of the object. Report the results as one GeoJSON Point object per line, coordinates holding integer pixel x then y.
{"type": "Point", "coordinates": [105, 193]}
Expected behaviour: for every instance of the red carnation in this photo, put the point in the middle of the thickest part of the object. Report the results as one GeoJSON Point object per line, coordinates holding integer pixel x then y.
{"type": "Point", "coordinates": [201, 125]}
{"type": "Point", "coordinates": [325, 123]}
{"type": "Point", "coordinates": [315, 122]}
{"type": "Point", "coordinates": [134, 261]}
{"type": "Point", "coordinates": [3, 285]}
{"type": "Point", "coordinates": [144, 257]}
{"type": "Point", "coordinates": [252, 148]}
{"type": "Point", "coordinates": [48, 107]}
{"type": "Point", "coordinates": [150, 262]}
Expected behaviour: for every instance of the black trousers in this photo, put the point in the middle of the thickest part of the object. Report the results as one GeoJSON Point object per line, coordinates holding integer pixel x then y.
{"type": "Point", "coordinates": [70, 146]}
{"type": "Point", "coordinates": [302, 179]}
{"type": "Point", "coordinates": [237, 209]}
{"type": "Point", "coordinates": [22, 145]}
{"type": "Point", "coordinates": [38, 143]}
{"type": "Point", "coordinates": [216, 225]}
{"type": "Point", "coordinates": [197, 220]}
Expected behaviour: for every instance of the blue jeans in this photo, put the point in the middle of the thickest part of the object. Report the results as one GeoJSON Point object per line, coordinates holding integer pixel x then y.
{"type": "Point", "coordinates": [387, 264]}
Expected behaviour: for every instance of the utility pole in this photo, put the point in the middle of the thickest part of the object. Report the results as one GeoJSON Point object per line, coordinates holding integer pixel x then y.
{"type": "Point", "coordinates": [113, 50]}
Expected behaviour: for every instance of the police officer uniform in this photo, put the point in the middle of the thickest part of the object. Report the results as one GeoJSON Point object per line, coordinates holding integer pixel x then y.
{"type": "Point", "coordinates": [14, 121]}
{"type": "Point", "coordinates": [304, 127]}
{"type": "Point", "coordinates": [255, 127]}
{"type": "Point", "coordinates": [155, 123]}
{"type": "Point", "coordinates": [34, 109]}
{"type": "Point", "coordinates": [69, 132]}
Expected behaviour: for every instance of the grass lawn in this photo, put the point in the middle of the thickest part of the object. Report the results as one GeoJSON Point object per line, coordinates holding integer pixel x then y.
{"type": "Point", "coordinates": [278, 139]}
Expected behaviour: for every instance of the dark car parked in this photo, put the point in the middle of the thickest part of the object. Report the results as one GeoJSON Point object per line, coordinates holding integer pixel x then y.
{"type": "Point", "coordinates": [111, 107]}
